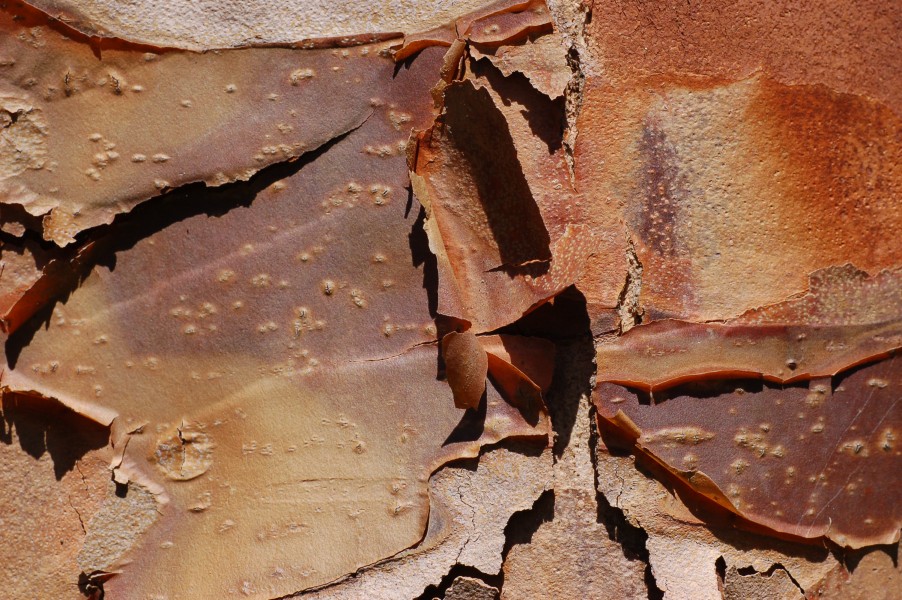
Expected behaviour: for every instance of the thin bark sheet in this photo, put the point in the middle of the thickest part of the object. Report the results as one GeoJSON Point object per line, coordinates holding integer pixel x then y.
{"type": "Point", "coordinates": [266, 274]}
{"type": "Point", "coordinates": [270, 371]}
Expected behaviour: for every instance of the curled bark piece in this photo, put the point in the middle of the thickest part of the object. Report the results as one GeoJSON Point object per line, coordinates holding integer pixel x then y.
{"type": "Point", "coordinates": [517, 388]}
{"type": "Point", "coordinates": [486, 207]}
{"type": "Point", "coordinates": [145, 126]}
{"type": "Point", "coordinates": [821, 461]}
{"type": "Point", "coordinates": [666, 353]}
{"type": "Point", "coordinates": [515, 23]}
{"type": "Point", "coordinates": [847, 318]}
{"type": "Point", "coordinates": [271, 369]}
{"type": "Point", "coordinates": [533, 357]}
{"type": "Point", "coordinates": [208, 25]}
{"type": "Point", "coordinates": [466, 365]}
{"type": "Point", "coordinates": [22, 266]}
{"type": "Point", "coordinates": [36, 278]}
{"type": "Point", "coordinates": [522, 369]}
{"type": "Point", "coordinates": [503, 219]}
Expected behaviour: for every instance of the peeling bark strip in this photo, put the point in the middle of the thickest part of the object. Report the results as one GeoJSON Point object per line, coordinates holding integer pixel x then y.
{"type": "Point", "coordinates": [266, 273]}
{"type": "Point", "coordinates": [503, 218]}
{"type": "Point", "coordinates": [806, 461]}
{"type": "Point", "coordinates": [270, 373]}
{"type": "Point", "coordinates": [757, 174]}
{"type": "Point", "coordinates": [146, 124]}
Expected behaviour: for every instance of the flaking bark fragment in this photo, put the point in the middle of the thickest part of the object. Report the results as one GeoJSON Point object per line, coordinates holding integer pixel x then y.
{"type": "Point", "coordinates": [838, 343]}
{"type": "Point", "coordinates": [811, 462]}
{"type": "Point", "coordinates": [543, 61]}
{"type": "Point", "coordinates": [683, 551]}
{"type": "Point", "coordinates": [265, 361]}
{"type": "Point", "coordinates": [201, 26]}
{"type": "Point", "coordinates": [145, 125]}
{"type": "Point", "coordinates": [272, 377]}
{"type": "Point", "coordinates": [456, 170]}
{"type": "Point", "coordinates": [470, 510]}
{"type": "Point", "coordinates": [466, 366]}
{"type": "Point", "coordinates": [571, 554]}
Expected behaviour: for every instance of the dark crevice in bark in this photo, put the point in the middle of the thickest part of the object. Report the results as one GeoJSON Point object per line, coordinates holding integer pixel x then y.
{"type": "Point", "coordinates": [720, 567]}
{"type": "Point", "coordinates": [746, 571]}
{"type": "Point", "coordinates": [632, 539]}
{"type": "Point", "coordinates": [563, 318]}
{"type": "Point", "coordinates": [850, 558]}
{"type": "Point", "coordinates": [519, 530]}
{"type": "Point", "coordinates": [524, 524]}
{"type": "Point", "coordinates": [439, 591]}
{"type": "Point", "coordinates": [150, 217]}
{"type": "Point", "coordinates": [91, 584]}
{"type": "Point", "coordinates": [628, 303]}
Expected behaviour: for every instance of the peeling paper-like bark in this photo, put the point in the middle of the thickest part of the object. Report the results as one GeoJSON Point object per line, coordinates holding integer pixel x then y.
{"type": "Point", "coordinates": [541, 60]}
{"type": "Point", "coordinates": [22, 266]}
{"type": "Point", "coordinates": [466, 526]}
{"type": "Point", "coordinates": [466, 366]}
{"type": "Point", "coordinates": [503, 218]}
{"type": "Point", "coordinates": [212, 24]}
{"type": "Point", "coordinates": [846, 319]}
{"type": "Point", "coordinates": [806, 461]}
{"type": "Point", "coordinates": [683, 552]}
{"type": "Point", "coordinates": [298, 301]}
{"type": "Point", "coordinates": [146, 124]}
{"type": "Point", "coordinates": [818, 458]}
{"type": "Point", "coordinates": [275, 386]}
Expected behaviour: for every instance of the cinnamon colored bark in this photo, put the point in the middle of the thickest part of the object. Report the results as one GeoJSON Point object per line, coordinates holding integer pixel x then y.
{"type": "Point", "coordinates": [466, 300]}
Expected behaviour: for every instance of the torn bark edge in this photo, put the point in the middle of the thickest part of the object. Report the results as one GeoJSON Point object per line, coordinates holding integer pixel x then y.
{"type": "Point", "coordinates": [61, 273]}
{"type": "Point", "coordinates": [424, 544]}
{"type": "Point", "coordinates": [515, 386]}
{"type": "Point", "coordinates": [702, 373]}
{"type": "Point", "coordinates": [461, 29]}
{"type": "Point", "coordinates": [702, 497]}
{"type": "Point", "coordinates": [455, 63]}
{"type": "Point", "coordinates": [73, 24]}
{"type": "Point", "coordinates": [466, 367]}
{"type": "Point", "coordinates": [470, 359]}
{"type": "Point", "coordinates": [73, 264]}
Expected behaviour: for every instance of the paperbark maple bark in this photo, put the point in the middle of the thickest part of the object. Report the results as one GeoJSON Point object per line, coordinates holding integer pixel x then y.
{"type": "Point", "coordinates": [465, 300]}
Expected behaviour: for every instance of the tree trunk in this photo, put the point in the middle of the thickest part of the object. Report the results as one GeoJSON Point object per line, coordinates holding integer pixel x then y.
{"type": "Point", "coordinates": [464, 300]}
